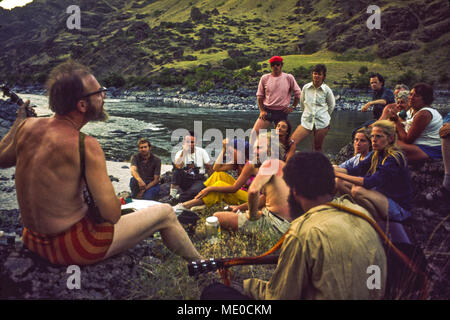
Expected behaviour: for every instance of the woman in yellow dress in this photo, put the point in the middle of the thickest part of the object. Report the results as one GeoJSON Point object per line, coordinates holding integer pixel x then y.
{"type": "Point", "coordinates": [221, 186]}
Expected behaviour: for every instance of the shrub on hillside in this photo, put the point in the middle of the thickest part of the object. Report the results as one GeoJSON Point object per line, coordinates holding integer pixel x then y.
{"type": "Point", "coordinates": [310, 47]}
{"type": "Point", "coordinates": [230, 64]}
{"type": "Point", "coordinates": [114, 80]}
{"type": "Point", "coordinates": [409, 78]}
{"type": "Point", "coordinates": [302, 74]}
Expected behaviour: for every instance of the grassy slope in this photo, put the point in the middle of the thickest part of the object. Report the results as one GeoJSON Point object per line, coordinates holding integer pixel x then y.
{"type": "Point", "coordinates": [281, 29]}
{"type": "Point", "coordinates": [275, 28]}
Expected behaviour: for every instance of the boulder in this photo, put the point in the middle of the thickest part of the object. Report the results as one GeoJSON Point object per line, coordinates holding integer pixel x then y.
{"type": "Point", "coordinates": [389, 49]}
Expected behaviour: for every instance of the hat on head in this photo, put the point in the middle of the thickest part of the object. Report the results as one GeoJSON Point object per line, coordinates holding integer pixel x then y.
{"type": "Point", "coordinates": [276, 59]}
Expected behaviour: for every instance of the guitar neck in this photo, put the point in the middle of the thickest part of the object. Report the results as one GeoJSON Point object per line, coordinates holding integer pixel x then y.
{"type": "Point", "coordinates": [205, 266]}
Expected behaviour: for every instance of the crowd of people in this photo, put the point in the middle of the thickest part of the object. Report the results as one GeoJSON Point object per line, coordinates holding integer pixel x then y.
{"type": "Point", "coordinates": [71, 214]}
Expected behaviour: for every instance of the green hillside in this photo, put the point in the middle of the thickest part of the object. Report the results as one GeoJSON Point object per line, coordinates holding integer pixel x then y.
{"type": "Point", "coordinates": [167, 41]}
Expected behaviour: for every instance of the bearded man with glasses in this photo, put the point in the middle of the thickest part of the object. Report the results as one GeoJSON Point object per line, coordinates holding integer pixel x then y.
{"type": "Point", "coordinates": [69, 210]}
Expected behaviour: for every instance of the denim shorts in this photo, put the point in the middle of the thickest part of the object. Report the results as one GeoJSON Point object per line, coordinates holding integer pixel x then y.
{"type": "Point", "coordinates": [275, 115]}
{"type": "Point", "coordinates": [397, 213]}
{"type": "Point", "coordinates": [434, 152]}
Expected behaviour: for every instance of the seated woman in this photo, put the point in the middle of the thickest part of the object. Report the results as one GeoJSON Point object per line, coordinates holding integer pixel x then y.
{"type": "Point", "coordinates": [381, 183]}
{"type": "Point", "coordinates": [421, 140]}
{"type": "Point", "coordinates": [363, 150]}
{"type": "Point", "coordinates": [362, 147]}
{"type": "Point", "coordinates": [283, 129]}
{"type": "Point", "coordinates": [223, 187]}
{"type": "Point", "coordinates": [400, 107]}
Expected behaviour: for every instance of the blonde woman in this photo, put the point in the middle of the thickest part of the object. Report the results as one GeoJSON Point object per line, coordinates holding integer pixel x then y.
{"type": "Point", "coordinates": [381, 183]}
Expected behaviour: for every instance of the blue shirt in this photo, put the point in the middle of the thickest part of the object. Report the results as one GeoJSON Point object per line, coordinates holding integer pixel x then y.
{"type": "Point", "coordinates": [447, 118]}
{"type": "Point", "coordinates": [385, 94]}
{"type": "Point", "coordinates": [391, 179]}
{"type": "Point", "coordinates": [353, 161]}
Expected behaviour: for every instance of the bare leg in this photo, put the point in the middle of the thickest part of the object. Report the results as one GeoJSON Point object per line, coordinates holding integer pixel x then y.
{"type": "Point", "coordinates": [319, 137]}
{"type": "Point", "coordinates": [412, 152]}
{"type": "Point", "coordinates": [137, 226]}
{"type": "Point", "coordinates": [373, 201]}
{"type": "Point", "coordinates": [227, 220]}
{"type": "Point", "coordinates": [260, 124]}
{"type": "Point", "coordinates": [299, 134]}
{"type": "Point", "coordinates": [445, 142]}
{"type": "Point", "coordinates": [192, 203]}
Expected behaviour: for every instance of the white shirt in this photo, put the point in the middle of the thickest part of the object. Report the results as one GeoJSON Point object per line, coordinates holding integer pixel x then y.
{"type": "Point", "coordinates": [317, 105]}
{"type": "Point", "coordinates": [430, 135]}
{"type": "Point", "coordinates": [200, 157]}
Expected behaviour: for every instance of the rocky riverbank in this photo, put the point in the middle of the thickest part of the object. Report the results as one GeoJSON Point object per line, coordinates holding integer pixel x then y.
{"type": "Point", "coordinates": [23, 275]}
{"type": "Point", "coordinates": [239, 99]}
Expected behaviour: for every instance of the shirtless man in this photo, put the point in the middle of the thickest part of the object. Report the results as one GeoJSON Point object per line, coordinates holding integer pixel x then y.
{"type": "Point", "coordinates": [274, 215]}
{"type": "Point", "coordinates": [58, 224]}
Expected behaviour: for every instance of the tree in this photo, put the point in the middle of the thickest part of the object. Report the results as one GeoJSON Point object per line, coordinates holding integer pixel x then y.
{"type": "Point", "coordinates": [196, 14]}
{"type": "Point", "coordinates": [363, 70]}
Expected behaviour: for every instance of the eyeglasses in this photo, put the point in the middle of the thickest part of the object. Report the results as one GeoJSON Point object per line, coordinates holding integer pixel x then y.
{"type": "Point", "coordinates": [102, 89]}
{"type": "Point", "coordinates": [275, 64]}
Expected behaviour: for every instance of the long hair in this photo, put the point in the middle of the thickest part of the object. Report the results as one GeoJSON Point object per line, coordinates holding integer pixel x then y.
{"type": "Point", "coordinates": [391, 150]}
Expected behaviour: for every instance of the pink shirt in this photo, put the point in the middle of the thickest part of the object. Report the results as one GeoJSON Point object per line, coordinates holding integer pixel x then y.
{"type": "Point", "coordinates": [277, 90]}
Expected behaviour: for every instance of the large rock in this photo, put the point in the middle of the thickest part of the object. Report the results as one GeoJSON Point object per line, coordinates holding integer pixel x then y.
{"type": "Point", "coordinates": [389, 49]}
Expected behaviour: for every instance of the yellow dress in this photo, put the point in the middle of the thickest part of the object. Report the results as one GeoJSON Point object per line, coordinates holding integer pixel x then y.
{"type": "Point", "coordinates": [223, 179]}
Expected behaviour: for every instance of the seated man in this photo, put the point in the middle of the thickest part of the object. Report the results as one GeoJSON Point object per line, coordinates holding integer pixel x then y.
{"type": "Point", "coordinates": [327, 251]}
{"type": "Point", "coordinates": [274, 216]}
{"type": "Point", "coordinates": [145, 171]}
{"type": "Point", "coordinates": [54, 166]}
{"type": "Point", "coordinates": [189, 170]}
{"type": "Point", "coordinates": [382, 96]}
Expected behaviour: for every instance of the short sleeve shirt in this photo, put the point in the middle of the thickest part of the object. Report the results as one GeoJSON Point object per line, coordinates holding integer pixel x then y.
{"type": "Point", "coordinates": [147, 170]}
{"type": "Point", "coordinates": [277, 90]}
{"type": "Point", "coordinates": [384, 94]}
{"type": "Point", "coordinates": [200, 157]}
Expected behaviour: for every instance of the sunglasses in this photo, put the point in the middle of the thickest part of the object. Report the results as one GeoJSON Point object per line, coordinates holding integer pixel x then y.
{"type": "Point", "coordinates": [102, 89]}
{"type": "Point", "coordinates": [275, 64]}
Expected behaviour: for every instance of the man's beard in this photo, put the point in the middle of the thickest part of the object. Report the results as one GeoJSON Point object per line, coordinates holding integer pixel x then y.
{"type": "Point", "coordinates": [93, 115]}
{"type": "Point", "coordinates": [295, 209]}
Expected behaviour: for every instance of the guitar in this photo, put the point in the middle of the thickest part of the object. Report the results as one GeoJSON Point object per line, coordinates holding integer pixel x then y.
{"type": "Point", "coordinates": [204, 266]}
{"type": "Point", "coordinates": [16, 99]}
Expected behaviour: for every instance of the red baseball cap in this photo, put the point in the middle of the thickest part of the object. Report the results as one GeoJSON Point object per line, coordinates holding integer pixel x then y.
{"type": "Point", "coordinates": [276, 59]}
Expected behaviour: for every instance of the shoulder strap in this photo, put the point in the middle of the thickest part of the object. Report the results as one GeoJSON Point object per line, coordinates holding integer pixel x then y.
{"type": "Point", "coordinates": [406, 260]}
{"type": "Point", "coordinates": [81, 152]}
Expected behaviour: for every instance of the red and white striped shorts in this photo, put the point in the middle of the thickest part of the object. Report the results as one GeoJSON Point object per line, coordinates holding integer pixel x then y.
{"type": "Point", "coordinates": [83, 243]}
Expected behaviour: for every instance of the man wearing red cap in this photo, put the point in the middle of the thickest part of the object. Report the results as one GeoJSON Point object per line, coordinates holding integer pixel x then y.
{"type": "Point", "coordinates": [274, 95]}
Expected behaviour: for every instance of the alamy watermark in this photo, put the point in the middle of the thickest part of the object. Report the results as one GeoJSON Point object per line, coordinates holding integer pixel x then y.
{"type": "Point", "coordinates": [246, 144]}
{"type": "Point", "coordinates": [74, 20]}
{"type": "Point", "coordinates": [374, 21]}
{"type": "Point", "coordinates": [374, 280]}
{"type": "Point", "coordinates": [74, 280]}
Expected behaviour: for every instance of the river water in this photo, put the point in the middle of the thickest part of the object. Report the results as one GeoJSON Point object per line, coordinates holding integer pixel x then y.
{"type": "Point", "coordinates": [131, 119]}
